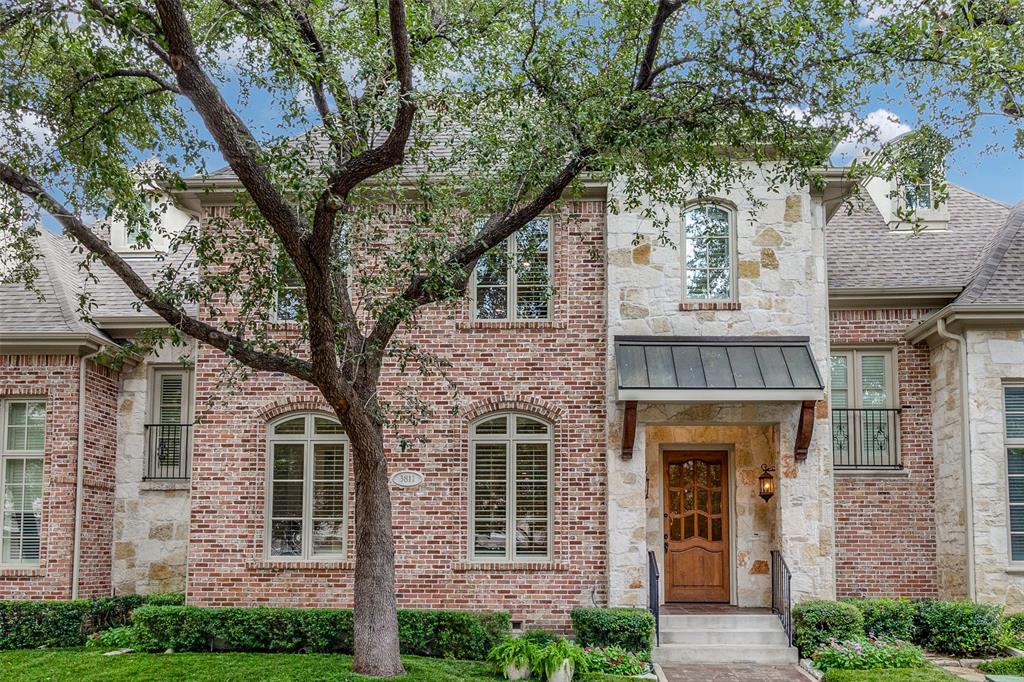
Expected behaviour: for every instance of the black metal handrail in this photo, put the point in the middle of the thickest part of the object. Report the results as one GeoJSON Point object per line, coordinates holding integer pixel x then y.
{"type": "Point", "coordinates": [653, 596]}
{"type": "Point", "coordinates": [866, 438]}
{"type": "Point", "coordinates": [781, 595]}
{"type": "Point", "coordinates": [168, 451]}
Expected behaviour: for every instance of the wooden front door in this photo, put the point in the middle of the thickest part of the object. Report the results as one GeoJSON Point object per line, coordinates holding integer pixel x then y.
{"type": "Point", "coordinates": [696, 526]}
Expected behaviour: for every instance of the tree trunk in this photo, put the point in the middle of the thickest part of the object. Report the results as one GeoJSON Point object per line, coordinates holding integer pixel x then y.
{"type": "Point", "coordinates": [376, 616]}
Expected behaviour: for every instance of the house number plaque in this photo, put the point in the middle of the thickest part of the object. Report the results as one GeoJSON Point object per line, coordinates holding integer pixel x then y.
{"type": "Point", "coordinates": [406, 479]}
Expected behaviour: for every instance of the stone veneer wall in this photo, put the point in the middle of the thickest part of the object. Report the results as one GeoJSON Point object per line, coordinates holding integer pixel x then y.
{"type": "Point", "coordinates": [993, 357]}
{"type": "Point", "coordinates": [554, 369]}
{"type": "Point", "coordinates": [782, 290]}
{"type": "Point", "coordinates": [151, 518]}
{"type": "Point", "coordinates": [55, 378]}
{"type": "Point", "coordinates": [885, 521]}
{"type": "Point", "coordinates": [752, 519]}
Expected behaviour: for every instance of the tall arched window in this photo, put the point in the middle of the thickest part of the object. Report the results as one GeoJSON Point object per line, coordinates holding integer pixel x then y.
{"type": "Point", "coordinates": [708, 261]}
{"type": "Point", "coordinates": [307, 488]}
{"type": "Point", "coordinates": [511, 487]}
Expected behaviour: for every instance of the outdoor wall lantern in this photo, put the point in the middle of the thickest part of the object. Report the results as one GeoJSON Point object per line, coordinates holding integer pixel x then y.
{"type": "Point", "coordinates": [766, 482]}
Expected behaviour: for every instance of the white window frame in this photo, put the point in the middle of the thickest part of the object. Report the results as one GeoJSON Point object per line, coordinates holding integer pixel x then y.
{"type": "Point", "coordinates": [512, 281]}
{"type": "Point", "coordinates": [733, 252]}
{"type": "Point", "coordinates": [510, 439]}
{"type": "Point", "coordinates": [1010, 444]}
{"type": "Point", "coordinates": [308, 438]}
{"type": "Point", "coordinates": [6, 455]}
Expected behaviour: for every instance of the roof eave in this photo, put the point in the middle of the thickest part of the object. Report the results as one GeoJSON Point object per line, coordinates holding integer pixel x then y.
{"type": "Point", "coordinates": [970, 316]}
{"type": "Point", "coordinates": [51, 343]}
{"type": "Point", "coordinates": [886, 297]}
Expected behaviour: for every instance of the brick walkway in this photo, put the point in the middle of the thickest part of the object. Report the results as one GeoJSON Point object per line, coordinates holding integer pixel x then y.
{"type": "Point", "coordinates": [678, 672]}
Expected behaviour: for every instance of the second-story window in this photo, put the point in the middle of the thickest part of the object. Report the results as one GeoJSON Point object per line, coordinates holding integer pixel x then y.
{"type": "Point", "coordinates": [865, 414]}
{"type": "Point", "coordinates": [169, 428]}
{"type": "Point", "coordinates": [918, 196]}
{"type": "Point", "coordinates": [513, 280]}
{"type": "Point", "coordinates": [291, 289]}
{"type": "Point", "coordinates": [708, 254]}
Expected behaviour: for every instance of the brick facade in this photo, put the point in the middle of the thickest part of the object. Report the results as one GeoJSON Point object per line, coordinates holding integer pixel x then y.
{"type": "Point", "coordinates": [55, 378]}
{"type": "Point", "coordinates": [885, 526]}
{"type": "Point", "coordinates": [554, 369]}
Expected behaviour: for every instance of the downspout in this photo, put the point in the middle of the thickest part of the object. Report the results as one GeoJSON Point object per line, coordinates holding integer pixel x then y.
{"type": "Point", "coordinates": [965, 432]}
{"type": "Point", "coordinates": [80, 470]}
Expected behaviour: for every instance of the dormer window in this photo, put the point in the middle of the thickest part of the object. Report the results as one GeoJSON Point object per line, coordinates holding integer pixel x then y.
{"type": "Point", "coordinates": [918, 196]}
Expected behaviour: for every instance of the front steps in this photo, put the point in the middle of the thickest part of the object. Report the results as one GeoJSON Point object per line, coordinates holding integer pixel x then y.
{"type": "Point", "coordinates": [724, 638]}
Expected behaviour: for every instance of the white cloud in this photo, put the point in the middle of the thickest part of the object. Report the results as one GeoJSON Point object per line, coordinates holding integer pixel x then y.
{"type": "Point", "coordinates": [871, 132]}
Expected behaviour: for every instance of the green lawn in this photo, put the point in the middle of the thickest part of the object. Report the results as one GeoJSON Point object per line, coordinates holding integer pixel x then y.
{"type": "Point", "coordinates": [87, 665]}
{"type": "Point", "coordinates": [930, 674]}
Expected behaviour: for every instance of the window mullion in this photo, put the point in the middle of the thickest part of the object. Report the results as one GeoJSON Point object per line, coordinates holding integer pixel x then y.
{"type": "Point", "coordinates": [512, 281]}
{"type": "Point", "coordinates": [510, 497]}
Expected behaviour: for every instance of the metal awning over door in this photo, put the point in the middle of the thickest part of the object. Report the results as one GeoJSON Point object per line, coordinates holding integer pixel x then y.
{"type": "Point", "coordinates": [716, 369]}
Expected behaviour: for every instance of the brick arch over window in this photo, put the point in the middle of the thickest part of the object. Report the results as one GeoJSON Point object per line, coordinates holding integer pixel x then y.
{"type": "Point", "coordinates": [278, 409]}
{"type": "Point", "coordinates": [527, 404]}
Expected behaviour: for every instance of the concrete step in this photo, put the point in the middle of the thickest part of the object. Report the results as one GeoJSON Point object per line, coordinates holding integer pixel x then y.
{"type": "Point", "coordinates": [737, 621]}
{"type": "Point", "coordinates": [763, 654]}
{"type": "Point", "coordinates": [698, 636]}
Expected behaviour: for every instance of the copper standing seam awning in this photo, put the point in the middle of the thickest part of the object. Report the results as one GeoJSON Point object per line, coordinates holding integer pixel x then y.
{"type": "Point", "coordinates": [717, 369]}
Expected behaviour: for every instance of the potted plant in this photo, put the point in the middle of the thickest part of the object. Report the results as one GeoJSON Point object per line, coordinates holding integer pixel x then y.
{"type": "Point", "coordinates": [514, 658]}
{"type": "Point", "coordinates": [560, 660]}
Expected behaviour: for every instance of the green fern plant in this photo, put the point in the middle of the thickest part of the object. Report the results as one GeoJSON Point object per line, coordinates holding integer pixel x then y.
{"type": "Point", "coordinates": [517, 652]}
{"type": "Point", "coordinates": [550, 659]}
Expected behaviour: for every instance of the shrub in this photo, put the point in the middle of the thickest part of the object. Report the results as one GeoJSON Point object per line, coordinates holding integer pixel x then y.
{"type": "Point", "coordinates": [540, 637]}
{"type": "Point", "coordinates": [958, 628]}
{"type": "Point", "coordinates": [887, 618]}
{"type": "Point", "coordinates": [614, 660]}
{"type": "Point", "coordinates": [1004, 666]}
{"type": "Point", "coordinates": [816, 623]}
{"type": "Point", "coordinates": [441, 634]}
{"type": "Point", "coordinates": [868, 654]}
{"type": "Point", "coordinates": [66, 623]}
{"type": "Point", "coordinates": [631, 629]}
{"type": "Point", "coordinates": [1013, 631]}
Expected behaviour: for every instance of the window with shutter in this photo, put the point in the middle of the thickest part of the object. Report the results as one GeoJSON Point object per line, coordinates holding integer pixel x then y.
{"type": "Point", "coordinates": [510, 494]}
{"type": "Point", "coordinates": [307, 488]}
{"type": "Point", "coordinates": [168, 430]}
{"type": "Point", "coordinates": [22, 445]}
{"type": "Point", "coordinates": [865, 428]}
{"type": "Point", "coordinates": [1013, 404]}
{"type": "Point", "coordinates": [512, 281]}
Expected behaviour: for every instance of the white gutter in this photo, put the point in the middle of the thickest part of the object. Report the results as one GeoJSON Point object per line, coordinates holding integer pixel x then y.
{"type": "Point", "coordinates": [80, 471]}
{"type": "Point", "coordinates": [965, 431]}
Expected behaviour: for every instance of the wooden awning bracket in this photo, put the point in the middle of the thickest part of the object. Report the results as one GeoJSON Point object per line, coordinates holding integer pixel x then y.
{"type": "Point", "coordinates": [804, 430]}
{"type": "Point", "coordinates": [628, 429]}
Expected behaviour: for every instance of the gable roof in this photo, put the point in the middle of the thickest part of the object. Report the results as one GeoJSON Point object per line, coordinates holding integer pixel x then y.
{"type": "Point", "coordinates": [999, 274]}
{"type": "Point", "coordinates": [864, 252]}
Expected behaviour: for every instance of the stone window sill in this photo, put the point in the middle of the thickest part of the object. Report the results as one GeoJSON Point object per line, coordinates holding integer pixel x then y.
{"type": "Point", "coordinates": [509, 566]}
{"type": "Point", "coordinates": [711, 305]}
{"type": "Point", "coordinates": [1015, 570]}
{"type": "Point", "coordinates": [487, 326]}
{"type": "Point", "coordinates": [22, 572]}
{"type": "Point", "coordinates": [166, 485]}
{"type": "Point", "coordinates": [275, 565]}
{"type": "Point", "coordinates": [872, 473]}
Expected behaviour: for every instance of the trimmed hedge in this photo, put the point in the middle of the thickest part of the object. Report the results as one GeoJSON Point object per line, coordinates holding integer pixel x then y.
{"type": "Point", "coordinates": [67, 623]}
{"type": "Point", "coordinates": [817, 622]}
{"type": "Point", "coordinates": [631, 629]}
{"type": "Point", "coordinates": [958, 628]}
{"type": "Point", "coordinates": [888, 618]}
{"type": "Point", "coordinates": [436, 633]}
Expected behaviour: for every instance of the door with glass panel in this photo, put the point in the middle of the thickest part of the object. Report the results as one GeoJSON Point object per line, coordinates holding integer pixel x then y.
{"type": "Point", "coordinates": [864, 417]}
{"type": "Point", "coordinates": [696, 527]}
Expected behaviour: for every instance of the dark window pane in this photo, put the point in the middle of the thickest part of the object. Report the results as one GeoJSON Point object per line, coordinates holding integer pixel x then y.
{"type": "Point", "coordinates": [491, 303]}
{"type": "Point", "coordinates": [1017, 547]}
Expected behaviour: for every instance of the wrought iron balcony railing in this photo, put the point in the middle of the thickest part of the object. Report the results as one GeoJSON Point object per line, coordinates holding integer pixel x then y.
{"type": "Point", "coordinates": [168, 450]}
{"type": "Point", "coordinates": [866, 438]}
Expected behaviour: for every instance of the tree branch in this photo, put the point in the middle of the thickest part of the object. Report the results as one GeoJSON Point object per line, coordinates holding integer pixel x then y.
{"type": "Point", "coordinates": [132, 73]}
{"type": "Point", "coordinates": [229, 344]}
{"type": "Point", "coordinates": [645, 75]}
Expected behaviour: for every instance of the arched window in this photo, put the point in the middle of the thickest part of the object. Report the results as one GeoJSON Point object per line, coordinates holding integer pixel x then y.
{"type": "Point", "coordinates": [307, 487]}
{"type": "Point", "coordinates": [511, 487]}
{"type": "Point", "coordinates": [708, 254]}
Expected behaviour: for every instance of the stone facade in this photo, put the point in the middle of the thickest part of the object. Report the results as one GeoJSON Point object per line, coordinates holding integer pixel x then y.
{"type": "Point", "coordinates": [994, 356]}
{"type": "Point", "coordinates": [55, 378]}
{"type": "Point", "coordinates": [151, 518]}
{"type": "Point", "coordinates": [781, 290]}
{"type": "Point", "coordinates": [885, 521]}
